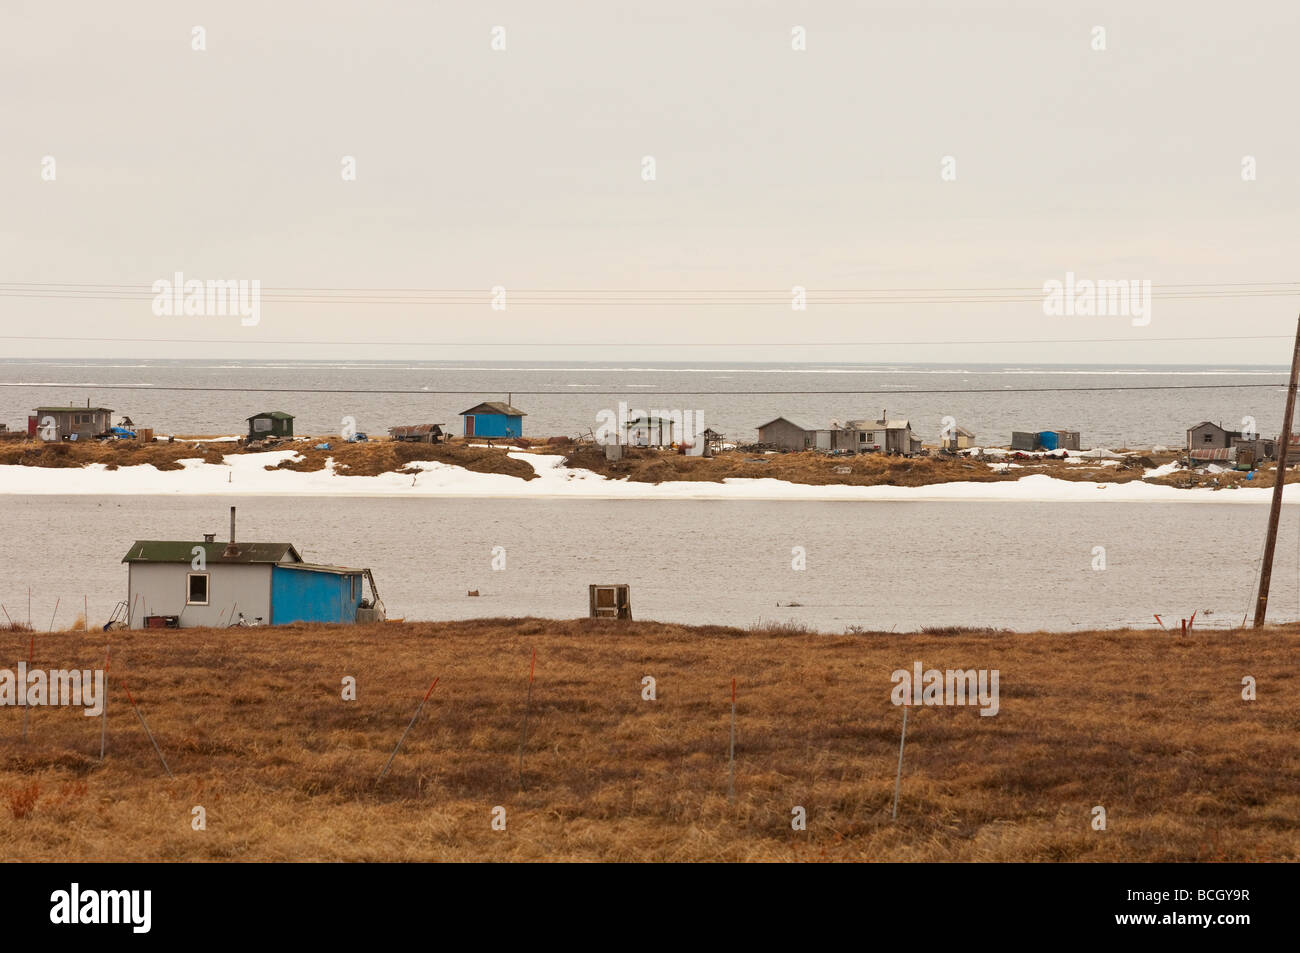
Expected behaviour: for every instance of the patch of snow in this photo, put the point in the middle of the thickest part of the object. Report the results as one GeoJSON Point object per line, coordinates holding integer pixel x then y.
{"type": "Point", "coordinates": [246, 474]}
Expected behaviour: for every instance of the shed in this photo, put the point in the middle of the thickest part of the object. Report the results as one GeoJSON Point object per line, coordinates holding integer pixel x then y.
{"type": "Point", "coordinates": [1211, 436]}
{"type": "Point", "coordinates": [650, 431]}
{"type": "Point", "coordinates": [959, 439]}
{"type": "Point", "coordinates": [272, 423]}
{"type": "Point", "coordinates": [69, 423]}
{"type": "Point", "coordinates": [1058, 439]}
{"type": "Point", "coordinates": [493, 419]}
{"type": "Point", "coordinates": [1045, 440]}
{"type": "Point", "coordinates": [417, 433]}
{"type": "Point", "coordinates": [786, 434]}
{"type": "Point", "coordinates": [206, 583]}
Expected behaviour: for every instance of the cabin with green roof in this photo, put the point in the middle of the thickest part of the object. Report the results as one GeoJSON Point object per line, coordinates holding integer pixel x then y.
{"type": "Point", "coordinates": [272, 423]}
{"type": "Point", "coordinates": [188, 583]}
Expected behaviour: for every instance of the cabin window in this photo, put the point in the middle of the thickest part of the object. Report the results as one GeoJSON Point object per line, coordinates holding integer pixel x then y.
{"type": "Point", "coordinates": [356, 586]}
{"type": "Point", "coordinates": [261, 425]}
{"type": "Point", "coordinates": [1207, 438]}
{"type": "Point", "coordinates": [196, 589]}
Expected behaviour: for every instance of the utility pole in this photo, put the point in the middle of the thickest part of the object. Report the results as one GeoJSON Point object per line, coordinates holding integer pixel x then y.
{"type": "Point", "coordinates": [1275, 510]}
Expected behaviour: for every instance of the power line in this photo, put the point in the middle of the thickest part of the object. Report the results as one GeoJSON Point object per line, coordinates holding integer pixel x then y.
{"type": "Point", "coordinates": [710, 393]}
{"type": "Point", "coordinates": [261, 342]}
{"type": "Point", "coordinates": [724, 297]}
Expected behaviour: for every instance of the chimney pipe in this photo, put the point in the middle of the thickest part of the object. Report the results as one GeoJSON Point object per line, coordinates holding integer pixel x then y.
{"type": "Point", "coordinates": [231, 549]}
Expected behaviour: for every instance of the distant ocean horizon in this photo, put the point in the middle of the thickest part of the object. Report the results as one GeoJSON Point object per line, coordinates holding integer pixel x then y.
{"type": "Point", "coordinates": [1143, 405]}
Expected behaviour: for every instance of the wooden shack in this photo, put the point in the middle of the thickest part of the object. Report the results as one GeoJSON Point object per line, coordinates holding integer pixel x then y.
{"type": "Point", "coordinates": [271, 423]}
{"type": "Point", "coordinates": [69, 423]}
{"type": "Point", "coordinates": [613, 601]}
{"type": "Point", "coordinates": [417, 433]}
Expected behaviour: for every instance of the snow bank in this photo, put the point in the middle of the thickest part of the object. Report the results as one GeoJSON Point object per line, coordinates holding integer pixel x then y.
{"type": "Point", "coordinates": [246, 474]}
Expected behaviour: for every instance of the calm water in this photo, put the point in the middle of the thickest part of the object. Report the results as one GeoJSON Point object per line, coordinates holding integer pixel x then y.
{"type": "Point", "coordinates": [881, 565]}
{"type": "Point", "coordinates": [1135, 417]}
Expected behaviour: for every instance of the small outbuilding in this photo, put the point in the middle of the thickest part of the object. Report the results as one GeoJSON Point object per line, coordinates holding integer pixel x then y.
{"type": "Point", "coordinates": [189, 583]}
{"type": "Point", "coordinates": [493, 419]}
{"type": "Point", "coordinates": [651, 431]}
{"type": "Point", "coordinates": [1035, 441]}
{"type": "Point", "coordinates": [417, 433]}
{"type": "Point", "coordinates": [786, 434]}
{"type": "Point", "coordinates": [69, 423]}
{"type": "Point", "coordinates": [1211, 436]}
{"type": "Point", "coordinates": [272, 423]}
{"type": "Point", "coordinates": [959, 439]}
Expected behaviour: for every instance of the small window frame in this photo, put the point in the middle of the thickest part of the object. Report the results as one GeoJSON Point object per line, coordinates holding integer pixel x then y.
{"type": "Point", "coordinates": [189, 588]}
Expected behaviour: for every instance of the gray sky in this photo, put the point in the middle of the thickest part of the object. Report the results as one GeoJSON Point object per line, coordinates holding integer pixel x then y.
{"type": "Point", "coordinates": [774, 168]}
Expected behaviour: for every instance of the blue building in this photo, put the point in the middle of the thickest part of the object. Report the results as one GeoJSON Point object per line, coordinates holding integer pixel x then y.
{"type": "Point", "coordinates": [184, 583]}
{"type": "Point", "coordinates": [494, 419]}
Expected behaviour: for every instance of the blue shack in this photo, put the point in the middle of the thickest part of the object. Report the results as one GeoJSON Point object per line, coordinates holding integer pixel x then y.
{"type": "Point", "coordinates": [188, 583]}
{"type": "Point", "coordinates": [494, 419]}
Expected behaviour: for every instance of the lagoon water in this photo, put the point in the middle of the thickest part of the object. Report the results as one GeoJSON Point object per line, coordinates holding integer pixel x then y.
{"type": "Point", "coordinates": [878, 565]}
{"type": "Point", "coordinates": [883, 566]}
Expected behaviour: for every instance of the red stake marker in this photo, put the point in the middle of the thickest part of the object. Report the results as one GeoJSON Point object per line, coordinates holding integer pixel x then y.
{"type": "Point", "coordinates": [408, 729]}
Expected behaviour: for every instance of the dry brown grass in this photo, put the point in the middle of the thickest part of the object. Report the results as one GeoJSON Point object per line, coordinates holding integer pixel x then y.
{"type": "Point", "coordinates": [1149, 725]}
{"type": "Point", "coordinates": [644, 465]}
{"type": "Point", "coordinates": [638, 465]}
{"type": "Point", "coordinates": [389, 456]}
{"type": "Point", "coordinates": [351, 459]}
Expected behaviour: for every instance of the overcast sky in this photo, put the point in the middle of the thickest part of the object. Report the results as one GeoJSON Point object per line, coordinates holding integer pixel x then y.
{"type": "Point", "coordinates": [774, 167]}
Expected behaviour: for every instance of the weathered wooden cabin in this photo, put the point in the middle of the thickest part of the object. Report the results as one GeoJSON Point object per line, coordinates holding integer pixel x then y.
{"type": "Point", "coordinates": [272, 423]}
{"type": "Point", "coordinates": [69, 423]}
{"type": "Point", "coordinates": [417, 433]}
{"type": "Point", "coordinates": [1211, 436]}
{"type": "Point", "coordinates": [786, 434]}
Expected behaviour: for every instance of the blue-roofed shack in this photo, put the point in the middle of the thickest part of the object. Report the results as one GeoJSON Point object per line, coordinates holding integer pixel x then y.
{"type": "Point", "coordinates": [186, 583]}
{"type": "Point", "coordinates": [494, 419]}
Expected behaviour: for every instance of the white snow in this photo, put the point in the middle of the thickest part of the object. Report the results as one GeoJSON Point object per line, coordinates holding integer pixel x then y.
{"type": "Point", "coordinates": [246, 474]}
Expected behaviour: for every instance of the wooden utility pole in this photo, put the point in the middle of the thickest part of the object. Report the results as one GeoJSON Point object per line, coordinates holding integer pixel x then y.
{"type": "Point", "coordinates": [1275, 510]}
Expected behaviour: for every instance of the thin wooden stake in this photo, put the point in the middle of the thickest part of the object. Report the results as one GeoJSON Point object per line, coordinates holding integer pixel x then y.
{"type": "Point", "coordinates": [528, 707]}
{"type": "Point", "coordinates": [898, 779]}
{"type": "Point", "coordinates": [55, 612]}
{"type": "Point", "coordinates": [731, 756]}
{"type": "Point", "coordinates": [103, 714]}
{"type": "Point", "coordinates": [407, 731]}
{"type": "Point", "coordinates": [140, 715]}
{"type": "Point", "coordinates": [31, 657]}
